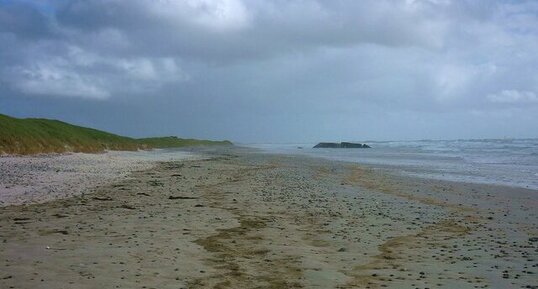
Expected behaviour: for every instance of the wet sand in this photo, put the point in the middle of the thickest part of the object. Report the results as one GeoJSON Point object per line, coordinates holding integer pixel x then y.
{"type": "Point", "coordinates": [241, 219]}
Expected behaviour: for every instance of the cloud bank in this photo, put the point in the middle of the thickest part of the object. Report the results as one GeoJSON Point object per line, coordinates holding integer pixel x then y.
{"type": "Point", "coordinates": [276, 70]}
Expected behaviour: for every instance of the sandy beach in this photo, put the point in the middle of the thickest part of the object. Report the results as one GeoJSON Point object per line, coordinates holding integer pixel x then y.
{"type": "Point", "coordinates": [41, 178]}
{"type": "Point", "coordinates": [236, 218]}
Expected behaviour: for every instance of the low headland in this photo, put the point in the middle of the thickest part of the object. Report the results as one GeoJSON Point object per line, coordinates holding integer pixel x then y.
{"type": "Point", "coordinates": [37, 135]}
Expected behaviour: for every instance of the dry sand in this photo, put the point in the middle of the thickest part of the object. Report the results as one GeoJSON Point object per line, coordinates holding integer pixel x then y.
{"type": "Point", "coordinates": [241, 219]}
{"type": "Point", "coordinates": [42, 178]}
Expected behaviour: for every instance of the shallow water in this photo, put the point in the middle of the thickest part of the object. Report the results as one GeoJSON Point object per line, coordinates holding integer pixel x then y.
{"type": "Point", "coordinates": [512, 162]}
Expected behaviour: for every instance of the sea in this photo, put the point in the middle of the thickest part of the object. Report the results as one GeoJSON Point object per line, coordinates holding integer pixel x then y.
{"type": "Point", "coordinates": [510, 162]}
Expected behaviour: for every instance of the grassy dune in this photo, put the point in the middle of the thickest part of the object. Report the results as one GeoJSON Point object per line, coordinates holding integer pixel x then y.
{"type": "Point", "coordinates": [36, 135]}
{"type": "Point", "coordinates": [172, 142]}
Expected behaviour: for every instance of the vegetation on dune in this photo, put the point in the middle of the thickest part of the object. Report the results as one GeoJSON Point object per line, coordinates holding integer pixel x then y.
{"type": "Point", "coordinates": [173, 142]}
{"type": "Point", "coordinates": [35, 135]}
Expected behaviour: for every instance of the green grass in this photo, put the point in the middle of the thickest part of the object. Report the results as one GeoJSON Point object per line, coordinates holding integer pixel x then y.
{"type": "Point", "coordinates": [174, 142]}
{"type": "Point", "coordinates": [36, 135]}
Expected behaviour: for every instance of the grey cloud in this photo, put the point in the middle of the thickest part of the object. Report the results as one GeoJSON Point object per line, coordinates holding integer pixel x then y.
{"type": "Point", "coordinates": [264, 28]}
{"type": "Point", "coordinates": [514, 97]}
{"type": "Point", "coordinates": [243, 68]}
{"type": "Point", "coordinates": [24, 20]}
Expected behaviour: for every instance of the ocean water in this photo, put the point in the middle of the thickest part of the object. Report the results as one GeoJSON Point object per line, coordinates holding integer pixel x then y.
{"type": "Point", "coordinates": [512, 162]}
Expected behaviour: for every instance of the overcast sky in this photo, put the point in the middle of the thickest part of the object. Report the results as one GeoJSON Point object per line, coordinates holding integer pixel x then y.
{"type": "Point", "coordinates": [275, 70]}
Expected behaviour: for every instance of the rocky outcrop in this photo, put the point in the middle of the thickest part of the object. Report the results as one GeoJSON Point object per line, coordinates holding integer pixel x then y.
{"type": "Point", "coordinates": [342, 145]}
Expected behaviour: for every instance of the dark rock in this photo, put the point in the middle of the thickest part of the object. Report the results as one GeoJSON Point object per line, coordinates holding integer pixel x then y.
{"type": "Point", "coordinates": [342, 145]}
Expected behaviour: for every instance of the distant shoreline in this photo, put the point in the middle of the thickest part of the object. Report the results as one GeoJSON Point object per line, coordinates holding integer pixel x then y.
{"type": "Point", "coordinates": [511, 163]}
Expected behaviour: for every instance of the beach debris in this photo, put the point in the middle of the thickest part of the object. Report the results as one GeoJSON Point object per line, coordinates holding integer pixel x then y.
{"type": "Point", "coordinates": [155, 183]}
{"type": "Point", "coordinates": [51, 248]}
{"type": "Point", "coordinates": [22, 220]}
{"type": "Point", "coordinates": [129, 207]}
{"type": "Point", "coordinates": [53, 231]}
{"type": "Point", "coordinates": [182, 198]}
{"type": "Point", "coordinates": [102, 198]}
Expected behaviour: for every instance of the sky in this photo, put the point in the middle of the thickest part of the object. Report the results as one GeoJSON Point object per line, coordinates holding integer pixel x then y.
{"type": "Point", "coordinates": [255, 71]}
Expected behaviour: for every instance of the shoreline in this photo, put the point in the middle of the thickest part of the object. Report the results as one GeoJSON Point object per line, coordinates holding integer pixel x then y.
{"type": "Point", "coordinates": [243, 219]}
{"type": "Point", "coordinates": [417, 162]}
